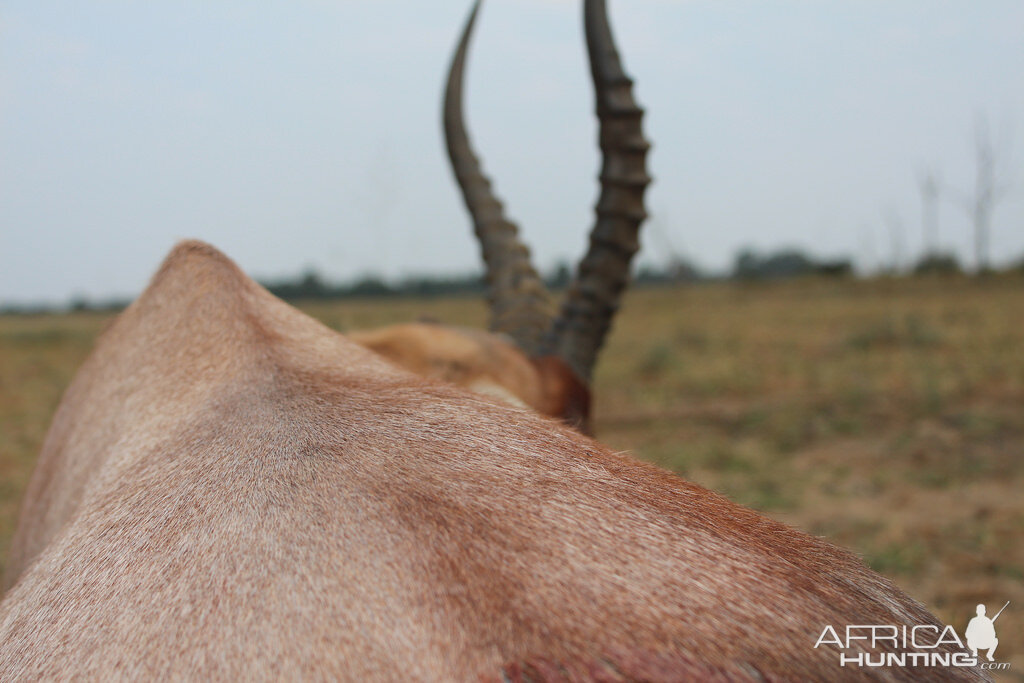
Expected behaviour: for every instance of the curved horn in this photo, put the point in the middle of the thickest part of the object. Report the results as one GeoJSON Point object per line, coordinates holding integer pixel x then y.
{"type": "Point", "coordinates": [519, 303]}
{"type": "Point", "coordinates": [594, 295]}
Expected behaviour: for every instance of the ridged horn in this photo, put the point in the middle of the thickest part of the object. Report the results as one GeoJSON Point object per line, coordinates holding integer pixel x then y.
{"type": "Point", "coordinates": [519, 303]}
{"type": "Point", "coordinates": [603, 273]}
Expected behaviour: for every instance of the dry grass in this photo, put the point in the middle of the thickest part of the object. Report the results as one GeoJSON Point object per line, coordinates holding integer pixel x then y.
{"type": "Point", "coordinates": [887, 416]}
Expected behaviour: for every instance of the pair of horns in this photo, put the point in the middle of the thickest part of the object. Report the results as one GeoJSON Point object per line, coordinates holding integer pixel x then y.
{"type": "Point", "coordinates": [520, 304]}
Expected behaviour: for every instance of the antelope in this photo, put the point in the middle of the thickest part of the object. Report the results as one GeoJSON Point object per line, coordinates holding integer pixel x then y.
{"type": "Point", "coordinates": [531, 356]}
{"type": "Point", "coordinates": [231, 490]}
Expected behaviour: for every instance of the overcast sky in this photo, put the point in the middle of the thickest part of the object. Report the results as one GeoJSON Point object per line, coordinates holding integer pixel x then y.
{"type": "Point", "coordinates": [306, 133]}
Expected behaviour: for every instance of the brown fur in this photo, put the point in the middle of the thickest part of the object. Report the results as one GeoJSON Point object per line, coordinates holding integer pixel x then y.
{"type": "Point", "coordinates": [481, 361]}
{"type": "Point", "coordinates": [231, 490]}
{"type": "Point", "coordinates": [484, 362]}
{"type": "Point", "coordinates": [566, 397]}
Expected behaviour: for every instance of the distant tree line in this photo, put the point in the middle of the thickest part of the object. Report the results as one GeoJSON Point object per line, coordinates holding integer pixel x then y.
{"type": "Point", "coordinates": [749, 265]}
{"type": "Point", "coordinates": [786, 263]}
{"type": "Point", "coordinates": [311, 286]}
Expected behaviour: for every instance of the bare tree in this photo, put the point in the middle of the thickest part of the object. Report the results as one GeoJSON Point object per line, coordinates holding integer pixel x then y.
{"type": "Point", "coordinates": [894, 223]}
{"type": "Point", "coordinates": [870, 263]}
{"type": "Point", "coordinates": [677, 265]}
{"type": "Point", "coordinates": [989, 189]}
{"type": "Point", "coordinates": [930, 184]}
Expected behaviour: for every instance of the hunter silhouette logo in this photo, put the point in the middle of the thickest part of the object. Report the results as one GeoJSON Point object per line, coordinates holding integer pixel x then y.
{"type": "Point", "coordinates": [981, 632]}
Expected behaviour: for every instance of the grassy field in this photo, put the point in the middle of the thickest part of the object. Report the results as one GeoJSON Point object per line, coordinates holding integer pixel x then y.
{"type": "Point", "coordinates": [886, 415]}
